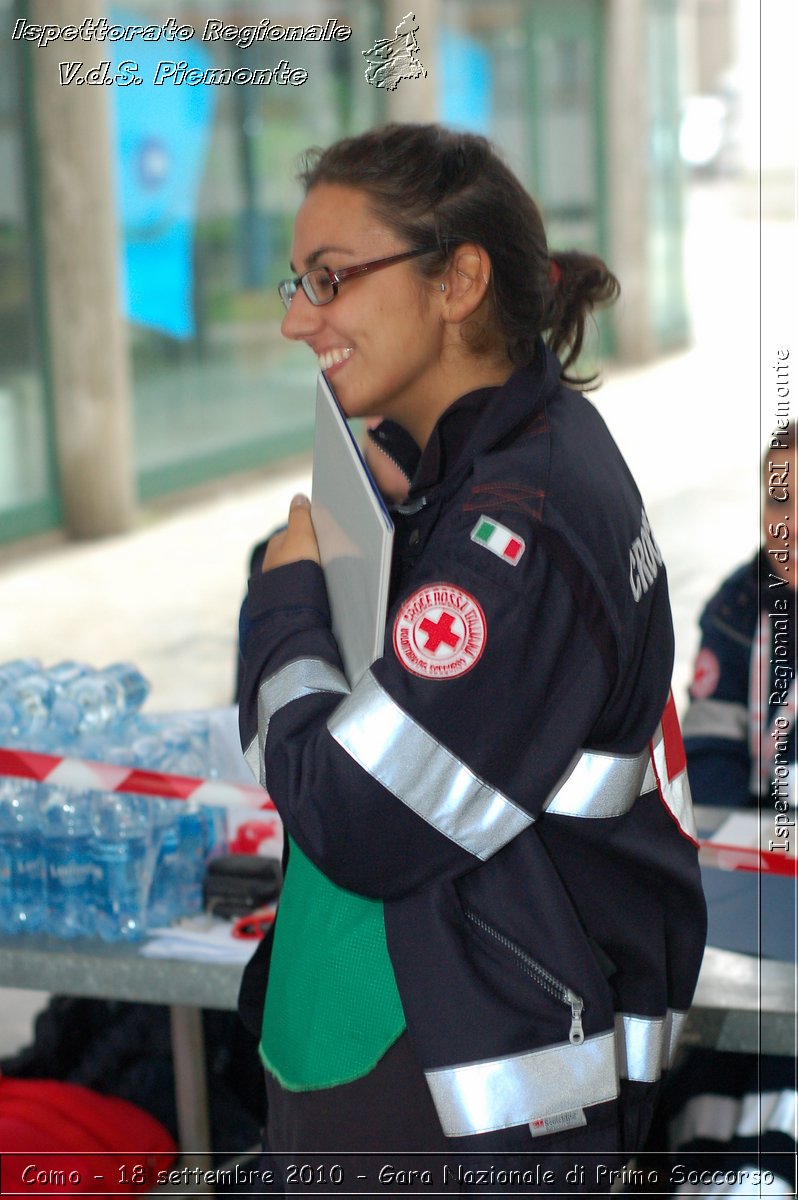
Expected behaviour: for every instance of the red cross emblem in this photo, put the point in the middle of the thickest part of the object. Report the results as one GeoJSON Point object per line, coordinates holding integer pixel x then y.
{"type": "Point", "coordinates": [706, 674]}
{"type": "Point", "coordinates": [439, 632]}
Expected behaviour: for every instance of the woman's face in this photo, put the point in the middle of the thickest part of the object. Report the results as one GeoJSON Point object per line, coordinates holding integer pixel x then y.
{"type": "Point", "coordinates": [380, 340]}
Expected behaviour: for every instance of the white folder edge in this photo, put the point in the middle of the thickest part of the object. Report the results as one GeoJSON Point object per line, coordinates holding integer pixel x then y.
{"type": "Point", "coordinates": [355, 535]}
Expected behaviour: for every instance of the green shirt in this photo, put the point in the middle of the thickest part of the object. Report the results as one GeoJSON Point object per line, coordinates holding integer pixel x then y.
{"type": "Point", "coordinates": [332, 1006]}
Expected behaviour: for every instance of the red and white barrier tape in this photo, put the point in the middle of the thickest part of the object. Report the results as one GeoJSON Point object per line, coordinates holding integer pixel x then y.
{"type": "Point", "coordinates": [83, 774]}
{"type": "Point", "coordinates": [746, 858]}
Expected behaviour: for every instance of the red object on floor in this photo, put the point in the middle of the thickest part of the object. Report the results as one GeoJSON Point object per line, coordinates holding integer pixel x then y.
{"type": "Point", "coordinates": [60, 1139]}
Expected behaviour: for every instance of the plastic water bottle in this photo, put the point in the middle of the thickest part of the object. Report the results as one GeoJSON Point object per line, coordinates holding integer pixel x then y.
{"type": "Point", "coordinates": [102, 698]}
{"type": "Point", "coordinates": [63, 736]}
{"type": "Point", "coordinates": [193, 736]}
{"type": "Point", "coordinates": [22, 895]}
{"type": "Point", "coordinates": [182, 753]}
{"type": "Point", "coordinates": [63, 674]}
{"type": "Point", "coordinates": [25, 705]}
{"type": "Point", "coordinates": [67, 833]}
{"type": "Point", "coordinates": [165, 893]}
{"type": "Point", "coordinates": [216, 842]}
{"type": "Point", "coordinates": [15, 668]}
{"type": "Point", "coordinates": [133, 688]}
{"type": "Point", "coordinates": [122, 851]}
{"type": "Point", "coordinates": [193, 841]}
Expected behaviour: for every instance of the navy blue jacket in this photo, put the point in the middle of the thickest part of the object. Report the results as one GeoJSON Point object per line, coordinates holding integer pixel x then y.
{"type": "Point", "coordinates": [509, 777]}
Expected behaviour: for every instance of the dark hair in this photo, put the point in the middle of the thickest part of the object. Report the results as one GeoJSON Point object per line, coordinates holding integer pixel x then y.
{"type": "Point", "coordinates": [435, 185]}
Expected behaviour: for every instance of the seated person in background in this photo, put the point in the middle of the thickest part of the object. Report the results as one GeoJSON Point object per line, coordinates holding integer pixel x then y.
{"type": "Point", "coordinates": [743, 695]}
{"type": "Point", "coordinates": [738, 1111]}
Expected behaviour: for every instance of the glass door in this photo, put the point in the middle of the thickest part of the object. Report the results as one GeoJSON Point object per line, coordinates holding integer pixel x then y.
{"type": "Point", "coordinates": [28, 494]}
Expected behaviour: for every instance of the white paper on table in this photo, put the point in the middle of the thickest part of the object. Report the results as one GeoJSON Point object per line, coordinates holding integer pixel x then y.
{"type": "Point", "coordinates": [738, 829]}
{"type": "Point", "coordinates": [751, 830]}
{"type": "Point", "coordinates": [205, 940]}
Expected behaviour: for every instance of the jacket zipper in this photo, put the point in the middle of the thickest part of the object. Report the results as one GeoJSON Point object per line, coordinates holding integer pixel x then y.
{"type": "Point", "coordinates": [542, 977]}
{"type": "Point", "coordinates": [393, 459]}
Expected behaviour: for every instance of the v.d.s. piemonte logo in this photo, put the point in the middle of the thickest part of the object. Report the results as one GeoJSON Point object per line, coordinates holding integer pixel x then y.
{"type": "Point", "coordinates": [390, 60]}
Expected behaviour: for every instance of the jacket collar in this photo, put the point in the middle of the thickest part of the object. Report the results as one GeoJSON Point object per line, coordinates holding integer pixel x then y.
{"type": "Point", "coordinates": [473, 424]}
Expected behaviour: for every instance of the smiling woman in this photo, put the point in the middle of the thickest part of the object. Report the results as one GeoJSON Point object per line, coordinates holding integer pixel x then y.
{"type": "Point", "coordinates": [450, 969]}
{"type": "Point", "coordinates": [391, 338]}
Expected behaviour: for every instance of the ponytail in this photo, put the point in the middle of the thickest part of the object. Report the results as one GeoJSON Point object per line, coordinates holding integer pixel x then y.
{"type": "Point", "coordinates": [579, 284]}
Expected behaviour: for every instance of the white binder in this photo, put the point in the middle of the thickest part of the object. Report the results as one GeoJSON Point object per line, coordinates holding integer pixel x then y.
{"type": "Point", "coordinates": [355, 535]}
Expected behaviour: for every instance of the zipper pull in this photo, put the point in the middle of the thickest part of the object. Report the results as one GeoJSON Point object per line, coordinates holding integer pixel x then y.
{"type": "Point", "coordinates": [410, 508]}
{"type": "Point", "coordinates": [577, 1034]}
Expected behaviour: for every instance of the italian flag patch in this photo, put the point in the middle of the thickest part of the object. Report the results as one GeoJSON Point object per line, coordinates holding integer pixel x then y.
{"type": "Point", "coordinates": [498, 539]}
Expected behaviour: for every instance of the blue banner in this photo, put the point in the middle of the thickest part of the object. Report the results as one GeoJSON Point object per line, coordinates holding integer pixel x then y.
{"type": "Point", "coordinates": [466, 84]}
{"type": "Point", "coordinates": [162, 138]}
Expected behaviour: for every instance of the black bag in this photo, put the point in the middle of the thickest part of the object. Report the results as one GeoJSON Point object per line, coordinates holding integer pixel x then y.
{"type": "Point", "coordinates": [237, 884]}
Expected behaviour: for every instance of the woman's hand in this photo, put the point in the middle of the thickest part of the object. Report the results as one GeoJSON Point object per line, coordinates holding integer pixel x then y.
{"type": "Point", "coordinates": [295, 543]}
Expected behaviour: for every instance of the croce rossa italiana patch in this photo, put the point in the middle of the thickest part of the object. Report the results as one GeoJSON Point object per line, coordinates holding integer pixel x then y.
{"type": "Point", "coordinates": [439, 632]}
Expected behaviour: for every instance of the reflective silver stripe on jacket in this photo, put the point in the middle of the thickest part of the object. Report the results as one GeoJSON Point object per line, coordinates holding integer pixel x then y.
{"type": "Point", "coordinates": [439, 787]}
{"type": "Point", "coordinates": [600, 785]}
{"type": "Point", "coordinates": [501, 1092]}
{"type": "Point", "coordinates": [607, 785]}
{"type": "Point", "coordinates": [647, 1045]}
{"type": "Point", "coordinates": [302, 677]}
{"type": "Point", "coordinates": [422, 773]}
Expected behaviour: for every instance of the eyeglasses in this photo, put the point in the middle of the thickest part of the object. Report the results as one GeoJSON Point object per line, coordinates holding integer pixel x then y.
{"type": "Point", "coordinates": [320, 284]}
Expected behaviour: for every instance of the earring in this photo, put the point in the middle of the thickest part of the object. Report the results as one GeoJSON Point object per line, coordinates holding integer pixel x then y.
{"type": "Point", "coordinates": [443, 287]}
